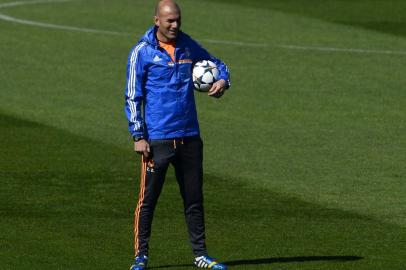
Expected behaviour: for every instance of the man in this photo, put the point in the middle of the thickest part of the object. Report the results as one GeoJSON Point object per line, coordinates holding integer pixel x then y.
{"type": "Point", "coordinates": [162, 117]}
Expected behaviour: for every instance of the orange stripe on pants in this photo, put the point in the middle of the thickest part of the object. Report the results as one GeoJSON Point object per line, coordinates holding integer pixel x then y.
{"type": "Point", "coordinates": [139, 204]}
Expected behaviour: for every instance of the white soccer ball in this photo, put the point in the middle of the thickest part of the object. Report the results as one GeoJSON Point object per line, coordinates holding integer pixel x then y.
{"type": "Point", "coordinates": [205, 73]}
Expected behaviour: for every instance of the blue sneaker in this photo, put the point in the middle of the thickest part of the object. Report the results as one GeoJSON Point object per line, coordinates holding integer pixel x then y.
{"type": "Point", "coordinates": [140, 263]}
{"type": "Point", "coordinates": [210, 263]}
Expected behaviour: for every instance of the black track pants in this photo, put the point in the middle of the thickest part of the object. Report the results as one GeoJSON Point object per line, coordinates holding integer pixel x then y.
{"type": "Point", "coordinates": [186, 155]}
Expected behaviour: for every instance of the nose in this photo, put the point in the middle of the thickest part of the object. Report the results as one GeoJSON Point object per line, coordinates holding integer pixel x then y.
{"type": "Point", "coordinates": [175, 24]}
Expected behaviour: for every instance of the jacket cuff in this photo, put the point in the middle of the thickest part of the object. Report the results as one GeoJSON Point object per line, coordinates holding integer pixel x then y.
{"type": "Point", "coordinates": [137, 134]}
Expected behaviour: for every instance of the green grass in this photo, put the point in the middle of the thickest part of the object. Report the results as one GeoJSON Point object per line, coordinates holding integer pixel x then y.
{"type": "Point", "coordinates": [304, 157]}
{"type": "Point", "coordinates": [387, 16]}
{"type": "Point", "coordinates": [58, 213]}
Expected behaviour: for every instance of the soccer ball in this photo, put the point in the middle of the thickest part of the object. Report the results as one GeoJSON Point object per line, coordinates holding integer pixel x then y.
{"type": "Point", "coordinates": [205, 73]}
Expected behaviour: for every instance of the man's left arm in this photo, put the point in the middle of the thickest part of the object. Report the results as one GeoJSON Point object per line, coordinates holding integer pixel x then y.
{"type": "Point", "coordinates": [223, 83]}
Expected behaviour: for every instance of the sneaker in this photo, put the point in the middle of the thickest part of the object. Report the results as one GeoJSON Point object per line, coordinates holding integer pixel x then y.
{"type": "Point", "coordinates": [210, 263]}
{"type": "Point", "coordinates": [140, 263]}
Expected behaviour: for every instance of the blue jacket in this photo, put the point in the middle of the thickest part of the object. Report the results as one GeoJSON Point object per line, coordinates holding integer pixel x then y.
{"type": "Point", "coordinates": [159, 93]}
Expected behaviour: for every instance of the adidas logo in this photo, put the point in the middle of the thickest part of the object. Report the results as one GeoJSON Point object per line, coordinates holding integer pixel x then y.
{"type": "Point", "coordinates": [157, 58]}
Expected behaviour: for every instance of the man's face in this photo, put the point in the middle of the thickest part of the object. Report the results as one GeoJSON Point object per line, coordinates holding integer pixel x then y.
{"type": "Point", "coordinates": [168, 22]}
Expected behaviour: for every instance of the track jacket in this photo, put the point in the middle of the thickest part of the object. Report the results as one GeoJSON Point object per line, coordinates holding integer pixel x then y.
{"type": "Point", "coordinates": [159, 92]}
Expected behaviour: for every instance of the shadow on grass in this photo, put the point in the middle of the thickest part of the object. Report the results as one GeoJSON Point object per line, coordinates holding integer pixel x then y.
{"type": "Point", "coordinates": [293, 259]}
{"type": "Point", "coordinates": [391, 19]}
{"type": "Point", "coordinates": [394, 28]}
{"type": "Point", "coordinates": [274, 260]}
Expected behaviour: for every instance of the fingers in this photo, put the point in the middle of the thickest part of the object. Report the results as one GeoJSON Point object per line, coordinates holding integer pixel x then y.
{"type": "Point", "coordinates": [217, 89]}
{"type": "Point", "coordinates": [142, 147]}
{"type": "Point", "coordinates": [216, 93]}
{"type": "Point", "coordinates": [213, 88]}
{"type": "Point", "coordinates": [146, 151]}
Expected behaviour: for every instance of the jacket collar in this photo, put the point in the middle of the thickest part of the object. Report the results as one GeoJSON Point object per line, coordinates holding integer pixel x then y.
{"type": "Point", "coordinates": [150, 37]}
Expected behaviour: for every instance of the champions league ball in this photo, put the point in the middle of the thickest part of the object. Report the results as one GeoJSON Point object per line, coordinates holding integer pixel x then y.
{"type": "Point", "coordinates": [205, 73]}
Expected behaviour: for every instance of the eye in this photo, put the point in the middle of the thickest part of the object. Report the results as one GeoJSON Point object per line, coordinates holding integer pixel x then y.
{"type": "Point", "coordinates": [173, 20]}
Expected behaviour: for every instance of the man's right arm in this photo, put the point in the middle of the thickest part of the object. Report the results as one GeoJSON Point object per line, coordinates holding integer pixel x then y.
{"type": "Point", "coordinates": [134, 97]}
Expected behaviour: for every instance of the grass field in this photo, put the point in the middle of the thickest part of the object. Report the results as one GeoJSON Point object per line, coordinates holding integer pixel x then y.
{"type": "Point", "coordinates": [305, 158]}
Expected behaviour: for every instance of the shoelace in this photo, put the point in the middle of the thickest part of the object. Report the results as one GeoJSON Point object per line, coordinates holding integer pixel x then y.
{"type": "Point", "coordinates": [204, 262]}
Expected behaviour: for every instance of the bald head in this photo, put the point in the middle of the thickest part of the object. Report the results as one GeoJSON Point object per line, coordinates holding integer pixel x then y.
{"type": "Point", "coordinates": [167, 20]}
{"type": "Point", "coordinates": [164, 6]}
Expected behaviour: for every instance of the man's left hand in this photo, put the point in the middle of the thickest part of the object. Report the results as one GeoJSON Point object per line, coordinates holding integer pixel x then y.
{"type": "Point", "coordinates": [218, 88]}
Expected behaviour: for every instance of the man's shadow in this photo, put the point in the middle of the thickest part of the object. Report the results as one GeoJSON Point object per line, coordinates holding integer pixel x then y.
{"type": "Point", "coordinates": [275, 260]}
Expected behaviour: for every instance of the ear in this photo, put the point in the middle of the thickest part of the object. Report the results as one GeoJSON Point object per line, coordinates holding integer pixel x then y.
{"type": "Point", "coordinates": [156, 21]}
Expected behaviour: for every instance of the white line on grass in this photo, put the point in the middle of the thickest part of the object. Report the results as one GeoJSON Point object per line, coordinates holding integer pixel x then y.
{"type": "Point", "coordinates": [225, 42]}
{"type": "Point", "coordinates": [49, 25]}
{"type": "Point", "coordinates": [235, 43]}
{"type": "Point", "coordinates": [24, 3]}
{"type": "Point", "coordinates": [61, 27]}
{"type": "Point", "coordinates": [349, 50]}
